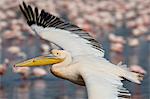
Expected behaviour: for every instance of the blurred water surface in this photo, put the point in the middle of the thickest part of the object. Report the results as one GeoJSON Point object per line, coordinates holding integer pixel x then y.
{"type": "Point", "coordinates": [48, 87]}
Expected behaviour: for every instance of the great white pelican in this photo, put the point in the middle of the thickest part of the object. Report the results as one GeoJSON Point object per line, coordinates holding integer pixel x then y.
{"type": "Point", "coordinates": [81, 60]}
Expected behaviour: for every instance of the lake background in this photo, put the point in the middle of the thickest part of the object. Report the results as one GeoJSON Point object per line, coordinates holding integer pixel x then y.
{"type": "Point", "coordinates": [121, 26]}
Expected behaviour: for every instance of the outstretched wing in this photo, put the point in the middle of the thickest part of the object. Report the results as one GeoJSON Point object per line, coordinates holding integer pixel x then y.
{"type": "Point", "coordinates": [47, 20]}
{"type": "Point", "coordinates": [104, 86]}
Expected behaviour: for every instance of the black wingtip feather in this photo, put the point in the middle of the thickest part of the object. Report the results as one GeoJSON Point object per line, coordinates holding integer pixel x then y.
{"type": "Point", "coordinates": [32, 13]}
{"type": "Point", "coordinates": [23, 12]}
{"type": "Point", "coordinates": [36, 14]}
{"type": "Point", "coordinates": [43, 19]}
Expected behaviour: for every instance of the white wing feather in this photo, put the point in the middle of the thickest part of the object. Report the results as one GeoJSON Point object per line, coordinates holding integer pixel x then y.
{"type": "Point", "coordinates": [101, 86]}
{"type": "Point", "coordinates": [103, 80]}
{"type": "Point", "coordinates": [68, 41]}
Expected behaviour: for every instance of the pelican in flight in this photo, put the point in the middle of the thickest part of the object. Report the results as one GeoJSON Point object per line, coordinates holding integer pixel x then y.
{"type": "Point", "coordinates": [81, 59]}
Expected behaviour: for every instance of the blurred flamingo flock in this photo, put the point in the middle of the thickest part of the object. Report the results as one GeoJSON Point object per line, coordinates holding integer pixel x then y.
{"type": "Point", "coordinates": [121, 26]}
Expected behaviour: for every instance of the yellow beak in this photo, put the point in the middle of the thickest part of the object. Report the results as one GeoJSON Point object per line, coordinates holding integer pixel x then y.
{"type": "Point", "coordinates": [39, 61]}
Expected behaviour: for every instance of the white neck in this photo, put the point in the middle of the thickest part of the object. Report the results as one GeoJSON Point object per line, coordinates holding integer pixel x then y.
{"type": "Point", "coordinates": [66, 62]}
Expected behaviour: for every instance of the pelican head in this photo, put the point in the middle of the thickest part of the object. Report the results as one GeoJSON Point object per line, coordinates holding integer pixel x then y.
{"type": "Point", "coordinates": [61, 54]}
{"type": "Point", "coordinates": [60, 61]}
{"type": "Point", "coordinates": [55, 56]}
